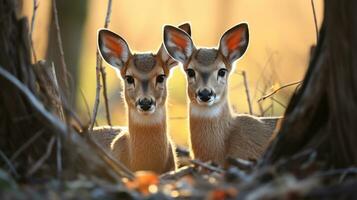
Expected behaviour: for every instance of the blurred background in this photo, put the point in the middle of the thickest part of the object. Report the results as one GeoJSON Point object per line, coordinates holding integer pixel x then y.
{"type": "Point", "coordinates": [281, 35]}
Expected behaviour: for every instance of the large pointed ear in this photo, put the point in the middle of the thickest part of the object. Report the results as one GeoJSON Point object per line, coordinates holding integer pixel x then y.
{"type": "Point", "coordinates": [167, 60]}
{"type": "Point", "coordinates": [178, 43]}
{"type": "Point", "coordinates": [165, 57]}
{"type": "Point", "coordinates": [186, 27]}
{"type": "Point", "coordinates": [234, 42]}
{"type": "Point", "coordinates": [113, 48]}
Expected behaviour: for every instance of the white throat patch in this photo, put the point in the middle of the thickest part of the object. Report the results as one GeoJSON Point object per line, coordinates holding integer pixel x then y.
{"type": "Point", "coordinates": [206, 111]}
{"type": "Point", "coordinates": [150, 119]}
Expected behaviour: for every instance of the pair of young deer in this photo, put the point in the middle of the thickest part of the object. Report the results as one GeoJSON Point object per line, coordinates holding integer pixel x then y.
{"type": "Point", "coordinates": [215, 133]}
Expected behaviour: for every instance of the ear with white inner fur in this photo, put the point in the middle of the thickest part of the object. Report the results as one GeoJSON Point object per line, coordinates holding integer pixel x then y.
{"type": "Point", "coordinates": [178, 43]}
{"type": "Point", "coordinates": [234, 42]}
{"type": "Point", "coordinates": [165, 57]}
{"type": "Point", "coordinates": [113, 48]}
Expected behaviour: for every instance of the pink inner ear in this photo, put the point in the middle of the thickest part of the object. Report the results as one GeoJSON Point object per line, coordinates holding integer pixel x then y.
{"type": "Point", "coordinates": [113, 45]}
{"type": "Point", "coordinates": [234, 39]}
{"type": "Point", "coordinates": [179, 40]}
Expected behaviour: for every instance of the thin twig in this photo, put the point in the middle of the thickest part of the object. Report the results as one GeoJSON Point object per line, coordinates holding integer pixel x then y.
{"type": "Point", "coordinates": [105, 94]}
{"type": "Point", "coordinates": [40, 162]}
{"type": "Point", "coordinates": [100, 73]}
{"type": "Point", "coordinates": [315, 20]}
{"type": "Point", "coordinates": [102, 68]}
{"type": "Point", "coordinates": [86, 105]}
{"type": "Point", "coordinates": [334, 172]}
{"type": "Point", "coordinates": [59, 155]}
{"type": "Point", "coordinates": [63, 63]}
{"type": "Point", "coordinates": [97, 93]}
{"type": "Point", "coordinates": [110, 159]}
{"type": "Point", "coordinates": [62, 116]}
{"type": "Point", "coordinates": [261, 76]}
{"type": "Point", "coordinates": [175, 175]}
{"type": "Point", "coordinates": [261, 109]}
{"type": "Point", "coordinates": [27, 144]}
{"type": "Point", "coordinates": [278, 102]}
{"type": "Point", "coordinates": [247, 92]}
{"type": "Point", "coordinates": [35, 7]}
{"type": "Point", "coordinates": [9, 164]}
{"type": "Point", "coordinates": [266, 110]}
{"type": "Point", "coordinates": [60, 45]}
{"type": "Point", "coordinates": [207, 166]}
{"type": "Point", "coordinates": [109, 12]}
{"type": "Point", "coordinates": [275, 91]}
{"type": "Point", "coordinates": [59, 105]}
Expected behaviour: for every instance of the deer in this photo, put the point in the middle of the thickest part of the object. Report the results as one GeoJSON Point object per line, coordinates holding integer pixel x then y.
{"type": "Point", "coordinates": [217, 133]}
{"type": "Point", "coordinates": [144, 144]}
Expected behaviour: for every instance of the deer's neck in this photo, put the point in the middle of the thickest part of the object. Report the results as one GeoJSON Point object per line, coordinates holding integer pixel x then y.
{"type": "Point", "coordinates": [209, 131]}
{"type": "Point", "coordinates": [149, 144]}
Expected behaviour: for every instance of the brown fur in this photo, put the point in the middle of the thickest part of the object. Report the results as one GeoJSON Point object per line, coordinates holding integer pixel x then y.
{"type": "Point", "coordinates": [146, 144]}
{"type": "Point", "coordinates": [215, 133]}
{"type": "Point", "coordinates": [147, 147]}
{"type": "Point", "coordinates": [228, 135]}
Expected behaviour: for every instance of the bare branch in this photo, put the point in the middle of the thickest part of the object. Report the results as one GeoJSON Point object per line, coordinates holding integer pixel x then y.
{"type": "Point", "coordinates": [35, 7]}
{"type": "Point", "coordinates": [315, 20]}
{"type": "Point", "coordinates": [207, 166]}
{"type": "Point", "coordinates": [278, 102]}
{"type": "Point", "coordinates": [261, 76]}
{"type": "Point", "coordinates": [8, 162]}
{"type": "Point", "coordinates": [86, 104]}
{"type": "Point", "coordinates": [100, 71]}
{"type": "Point", "coordinates": [27, 144]}
{"type": "Point", "coordinates": [247, 92]}
{"type": "Point", "coordinates": [110, 160]}
{"type": "Point", "coordinates": [97, 93]}
{"type": "Point", "coordinates": [60, 45]}
{"type": "Point", "coordinates": [109, 12]}
{"type": "Point", "coordinates": [105, 94]}
{"type": "Point", "coordinates": [40, 162]}
{"type": "Point", "coordinates": [59, 155]}
{"type": "Point", "coordinates": [277, 90]}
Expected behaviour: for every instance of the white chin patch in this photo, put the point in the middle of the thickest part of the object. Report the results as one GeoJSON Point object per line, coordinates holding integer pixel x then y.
{"type": "Point", "coordinates": [146, 112]}
{"type": "Point", "coordinates": [150, 117]}
{"type": "Point", "coordinates": [205, 103]}
{"type": "Point", "coordinates": [205, 111]}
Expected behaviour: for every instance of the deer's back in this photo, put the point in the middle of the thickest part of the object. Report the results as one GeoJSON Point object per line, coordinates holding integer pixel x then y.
{"type": "Point", "coordinates": [249, 136]}
{"type": "Point", "coordinates": [104, 135]}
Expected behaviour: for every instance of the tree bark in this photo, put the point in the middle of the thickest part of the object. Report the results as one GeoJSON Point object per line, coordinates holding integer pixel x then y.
{"type": "Point", "coordinates": [34, 141]}
{"type": "Point", "coordinates": [322, 115]}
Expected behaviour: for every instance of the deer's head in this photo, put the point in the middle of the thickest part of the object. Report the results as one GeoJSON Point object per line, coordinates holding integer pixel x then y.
{"type": "Point", "coordinates": [207, 70]}
{"type": "Point", "coordinates": [144, 74]}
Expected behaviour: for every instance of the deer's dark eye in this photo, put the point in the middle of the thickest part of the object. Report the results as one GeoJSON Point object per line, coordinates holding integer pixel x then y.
{"type": "Point", "coordinates": [190, 73]}
{"type": "Point", "coordinates": [129, 79]}
{"type": "Point", "coordinates": [160, 78]}
{"type": "Point", "coordinates": [222, 72]}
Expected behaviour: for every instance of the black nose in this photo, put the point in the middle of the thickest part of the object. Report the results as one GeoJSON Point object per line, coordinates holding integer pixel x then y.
{"type": "Point", "coordinates": [145, 103]}
{"type": "Point", "coordinates": [205, 95]}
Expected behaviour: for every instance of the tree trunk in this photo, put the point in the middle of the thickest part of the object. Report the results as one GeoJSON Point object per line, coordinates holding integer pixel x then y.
{"type": "Point", "coordinates": [33, 140]}
{"type": "Point", "coordinates": [18, 121]}
{"type": "Point", "coordinates": [322, 115]}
